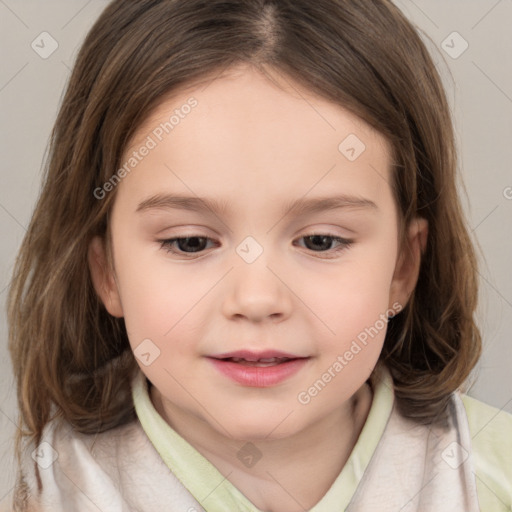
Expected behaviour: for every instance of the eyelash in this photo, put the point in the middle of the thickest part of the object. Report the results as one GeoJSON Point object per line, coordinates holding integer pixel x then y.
{"type": "Point", "coordinates": [167, 244]}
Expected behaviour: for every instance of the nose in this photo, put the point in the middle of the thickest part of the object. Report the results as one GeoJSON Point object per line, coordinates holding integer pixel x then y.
{"type": "Point", "coordinates": [257, 292]}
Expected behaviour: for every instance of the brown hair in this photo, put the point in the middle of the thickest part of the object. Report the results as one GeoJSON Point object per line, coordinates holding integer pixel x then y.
{"type": "Point", "coordinates": [70, 357]}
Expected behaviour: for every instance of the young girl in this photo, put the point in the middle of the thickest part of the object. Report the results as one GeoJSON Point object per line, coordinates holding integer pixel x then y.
{"type": "Point", "coordinates": [248, 284]}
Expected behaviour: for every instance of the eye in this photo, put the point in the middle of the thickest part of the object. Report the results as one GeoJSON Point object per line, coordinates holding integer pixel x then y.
{"type": "Point", "coordinates": [325, 241]}
{"type": "Point", "coordinates": [186, 245]}
{"type": "Point", "coordinates": [316, 242]}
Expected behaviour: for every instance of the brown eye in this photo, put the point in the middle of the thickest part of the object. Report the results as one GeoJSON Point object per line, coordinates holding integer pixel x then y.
{"type": "Point", "coordinates": [323, 243]}
{"type": "Point", "coordinates": [185, 245]}
{"type": "Point", "coordinates": [319, 242]}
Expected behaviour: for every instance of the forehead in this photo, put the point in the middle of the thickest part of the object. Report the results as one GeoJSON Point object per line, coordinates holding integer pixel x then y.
{"type": "Point", "coordinates": [246, 134]}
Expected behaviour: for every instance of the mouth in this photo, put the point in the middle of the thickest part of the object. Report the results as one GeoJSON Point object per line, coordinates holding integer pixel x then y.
{"type": "Point", "coordinates": [262, 369]}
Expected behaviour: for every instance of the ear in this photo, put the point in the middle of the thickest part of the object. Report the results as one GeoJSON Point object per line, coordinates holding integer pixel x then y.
{"type": "Point", "coordinates": [103, 278]}
{"type": "Point", "coordinates": [407, 268]}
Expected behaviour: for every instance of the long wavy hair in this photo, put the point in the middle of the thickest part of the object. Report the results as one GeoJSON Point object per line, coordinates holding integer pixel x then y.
{"type": "Point", "coordinates": [71, 358]}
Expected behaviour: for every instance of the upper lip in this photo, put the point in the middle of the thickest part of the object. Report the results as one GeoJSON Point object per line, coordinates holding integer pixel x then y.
{"type": "Point", "coordinates": [250, 355]}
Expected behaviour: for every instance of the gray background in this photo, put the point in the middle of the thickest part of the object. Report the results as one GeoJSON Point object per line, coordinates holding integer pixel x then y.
{"type": "Point", "coordinates": [479, 86]}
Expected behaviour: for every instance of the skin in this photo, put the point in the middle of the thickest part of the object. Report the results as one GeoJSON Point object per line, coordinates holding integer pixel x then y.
{"type": "Point", "coordinates": [257, 147]}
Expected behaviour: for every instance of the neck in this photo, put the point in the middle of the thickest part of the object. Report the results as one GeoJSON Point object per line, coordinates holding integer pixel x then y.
{"type": "Point", "coordinates": [295, 471]}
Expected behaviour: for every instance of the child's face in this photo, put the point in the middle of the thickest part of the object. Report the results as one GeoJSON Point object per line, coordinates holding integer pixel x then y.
{"type": "Point", "coordinates": [256, 285]}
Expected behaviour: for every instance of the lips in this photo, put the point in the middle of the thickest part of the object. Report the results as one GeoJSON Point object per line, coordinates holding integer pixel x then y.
{"type": "Point", "coordinates": [258, 369]}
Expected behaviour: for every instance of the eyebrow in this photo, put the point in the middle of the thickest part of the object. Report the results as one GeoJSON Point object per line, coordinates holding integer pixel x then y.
{"type": "Point", "coordinates": [301, 206]}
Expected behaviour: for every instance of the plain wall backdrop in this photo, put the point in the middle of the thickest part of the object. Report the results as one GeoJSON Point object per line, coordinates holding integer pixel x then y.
{"type": "Point", "coordinates": [470, 41]}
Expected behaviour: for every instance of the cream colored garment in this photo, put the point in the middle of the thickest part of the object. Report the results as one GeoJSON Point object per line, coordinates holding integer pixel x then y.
{"type": "Point", "coordinates": [116, 471]}
{"type": "Point", "coordinates": [417, 468]}
{"type": "Point", "coordinates": [413, 468]}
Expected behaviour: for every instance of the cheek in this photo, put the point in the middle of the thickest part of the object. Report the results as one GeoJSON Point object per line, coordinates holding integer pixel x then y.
{"type": "Point", "coordinates": [356, 314]}
{"type": "Point", "coordinates": [163, 302]}
{"type": "Point", "coordinates": [355, 297]}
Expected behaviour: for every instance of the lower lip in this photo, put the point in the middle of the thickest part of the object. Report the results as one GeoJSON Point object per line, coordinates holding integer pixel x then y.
{"type": "Point", "coordinates": [259, 376]}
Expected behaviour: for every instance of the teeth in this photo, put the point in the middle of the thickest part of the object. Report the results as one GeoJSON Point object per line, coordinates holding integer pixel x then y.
{"type": "Point", "coordinates": [260, 362]}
